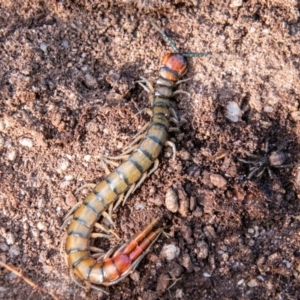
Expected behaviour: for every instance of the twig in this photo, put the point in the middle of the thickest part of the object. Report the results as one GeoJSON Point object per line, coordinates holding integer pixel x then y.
{"type": "Point", "coordinates": [27, 280]}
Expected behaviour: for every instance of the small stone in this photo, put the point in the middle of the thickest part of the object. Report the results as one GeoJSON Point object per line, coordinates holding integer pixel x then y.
{"type": "Point", "coordinates": [175, 270]}
{"type": "Point", "coordinates": [218, 181]}
{"type": "Point", "coordinates": [4, 247]}
{"type": "Point", "coordinates": [187, 263]}
{"type": "Point", "coordinates": [43, 47]}
{"type": "Point", "coordinates": [169, 252]}
{"type": "Point", "coordinates": [295, 116]}
{"type": "Point", "coordinates": [157, 200]}
{"type": "Point", "coordinates": [40, 226]}
{"type": "Point", "coordinates": [10, 238]}
{"type": "Point", "coordinates": [14, 251]}
{"type": "Point", "coordinates": [35, 232]}
{"type": "Point", "coordinates": [65, 44]}
{"type": "Point", "coordinates": [135, 276]}
{"type": "Point", "coordinates": [92, 127]}
{"type": "Point", "coordinates": [3, 259]}
{"type": "Point", "coordinates": [240, 282]}
{"type": "Point", "coordinates": [236, 3]}
{"type": "Point", "coordinates": [162, 283]}
{"type": "Point", "coordinates": [252, 283]}
{"type": "Point", "coordinates": [233, 111]}
{"type": "Point", "coordinates": [203, 250]}
{"type": "Point", "coordinates": [11, 155]}
{"type": "Point", "coordinates": [179, 294]}
{"type": "Point", "coordinates": [47, 269]}
{"type": "Point", "coordinates": [171, 201]}
{"type": "Point", "coordinates": [63, 165]}
{"type": "Point", "coordinates": [206, 199]}
{"type": "Point", "coordinates": [90, 81]}
{"type": "Point", "coordinates": [87, 157]}
{"type": "Point", "coordinates": [268, 109]}
{"type": "Point", "coordinates": [184, 203]}
{"type": "Point", "coordinates": [185, 155]}
{"type": "Point", "coordinates": [206, 275]}
{"type": "Point", "coordinates": [210, 232]}
{"type": "Point", "coordinates": [139, 206]}
{"type": "Point", "coordinates": [186, 232]}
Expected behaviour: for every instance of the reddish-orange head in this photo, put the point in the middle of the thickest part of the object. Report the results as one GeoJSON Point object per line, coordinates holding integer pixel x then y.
{"type": "Point", "coordinates": [175, 62]}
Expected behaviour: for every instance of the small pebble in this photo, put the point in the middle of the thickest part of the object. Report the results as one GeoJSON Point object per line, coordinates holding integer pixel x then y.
{"type": "Point", "coordinates": [287, 263]}
{"type": "Point", "coordinates": [65, 44]}
{"type": "Point", "coordinates": [63, 165]}
{"type": "Point", "coordinates": [218, 181]}
{"type": "Point", "coordinates": [203, 250]}
{"type": "Point", "coordinates": [268, 109]}
{"type": "Point", "coordinates": [187, 263]}
{"type": "Point", "coordinates": [162, 283]}
{"type": "Point", "coordinates": [236, 3]}
{"type": "Point", "coordinates": [233, 111]}
{"type": "Point", "coordinates": [10, 238]}
{"type": "Point", "coordinates": [87, 157]}
{"type": "Point", "coordinates": [184, 203]}
{"type": "Point", "coordinates": [90, 81]}
{"type": "Point", "coordinates": [175, 269]}
{"type": "Point", "coordinates": [240, 282]}
{"type": "Point", "coordinates": [3, 259]}
{"type": "Point", "coordinates": [185, 155]}
{"type": "Point", "coordinates": [40, 226]}
{"type": "Point", "coordinates": [47, 269]}
{"type": "Point", "coordinates": [139, 206]}
{"type": "Point", "coordinates": [4, 247]}
{"type": "Point", "coordinates": [171, 201]}
{"type": "Point", "coordinates": [35, 232]}
{"type": "Point", "coordinates": [43, 47]}
{"type": "Point", "coordinates": [11, 155]}
{"type": "Point", "coordinates": [14, 251]}
{"type": "Point", "coordinates": [252, 283]}
{"type": "Point", "coordinates": [169, 252]}
{"type": "Point", "coordinates": [179, 294]}
{"type": "Point", "coordinates": [135, 276]}
{"type": "Point", "coordinates": [210, 232]}
{"type": "Point", "coordinates": [206, 275]}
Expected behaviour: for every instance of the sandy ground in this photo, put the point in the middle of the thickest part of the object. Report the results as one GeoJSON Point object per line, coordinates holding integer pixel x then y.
{"type": "Point", "coordinates": [68, 92]}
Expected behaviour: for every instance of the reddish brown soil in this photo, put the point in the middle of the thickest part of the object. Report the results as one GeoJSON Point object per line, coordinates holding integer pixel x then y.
{"type": "Point", "coordinates": [68, 93]}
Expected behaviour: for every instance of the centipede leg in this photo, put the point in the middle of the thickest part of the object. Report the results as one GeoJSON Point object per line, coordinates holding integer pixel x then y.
{"type": "Point", "coordinates": [173, 113]}
{"type": "Point", "coordinates": [146, 85]}
{"type": "Point", "coordinates": [173, 146]}
{"type": "Point", "coordinates": [124, 199]}
{"type": "Point", "coordinates": [181, 92]}
{"type": "Point", "coordinates": [182, 80]}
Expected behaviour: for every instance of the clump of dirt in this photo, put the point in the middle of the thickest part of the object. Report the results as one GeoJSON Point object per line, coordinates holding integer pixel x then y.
{"type": "Point", "coordinates": [68, 94]}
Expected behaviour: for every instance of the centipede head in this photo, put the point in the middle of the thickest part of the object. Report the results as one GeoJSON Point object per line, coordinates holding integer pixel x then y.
{"type": "Point", "coordinates": [176, 62]}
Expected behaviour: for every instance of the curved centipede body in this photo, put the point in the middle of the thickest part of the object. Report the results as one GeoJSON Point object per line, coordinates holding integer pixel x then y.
{"type": "Point", "coordinates": [127, 176]}
{"type": "Point", "coordinates": [129, 172]}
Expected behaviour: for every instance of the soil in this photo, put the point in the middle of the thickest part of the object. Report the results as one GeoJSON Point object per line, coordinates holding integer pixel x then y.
{"type": "Point", "coordinates": [68, 91]}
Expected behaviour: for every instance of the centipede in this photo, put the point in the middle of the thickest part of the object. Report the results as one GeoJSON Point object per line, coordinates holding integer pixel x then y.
{"type": "Point", "coordinates": [138, 162]}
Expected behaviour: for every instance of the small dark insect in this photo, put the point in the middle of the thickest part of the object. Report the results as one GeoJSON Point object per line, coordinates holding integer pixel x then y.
{"type": "Point", "coordinates": [262, 163]}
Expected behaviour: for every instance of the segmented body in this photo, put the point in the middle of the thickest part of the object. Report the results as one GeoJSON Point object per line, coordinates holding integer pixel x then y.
{"type": "Point", "coordinates": [109, 271]}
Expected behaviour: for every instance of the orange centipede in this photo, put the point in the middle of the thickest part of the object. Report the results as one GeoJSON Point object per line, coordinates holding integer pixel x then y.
{"type": "Point", "coordinates": [138, 159]}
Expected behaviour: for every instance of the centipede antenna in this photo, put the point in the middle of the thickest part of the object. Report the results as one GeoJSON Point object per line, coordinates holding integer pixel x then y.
{"type": "Point", "coordinates": [196, 54]}
{"type": "Point", "coordinates": [165, 37]}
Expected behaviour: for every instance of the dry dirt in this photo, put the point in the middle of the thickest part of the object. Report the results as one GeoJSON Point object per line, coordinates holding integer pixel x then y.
{"type": "Point", "coordinates": [68, 92]}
